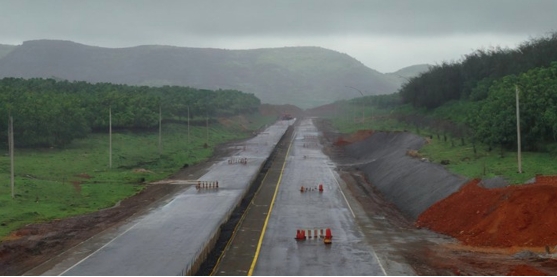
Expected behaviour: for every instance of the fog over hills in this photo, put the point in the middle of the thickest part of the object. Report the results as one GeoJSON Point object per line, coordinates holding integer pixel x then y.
{"type": "Point", "coordinates": [303, 76]}
{"type": "Point", "coordinates": [402, 75]}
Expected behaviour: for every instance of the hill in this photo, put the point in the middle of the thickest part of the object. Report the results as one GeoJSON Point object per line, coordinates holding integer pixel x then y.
{"type": "Point", "coordinates": [5, 49]}
{"type": "Point", "coordinates": [402, 75]}
{"type": "Point", "coordinates": [304, 76]}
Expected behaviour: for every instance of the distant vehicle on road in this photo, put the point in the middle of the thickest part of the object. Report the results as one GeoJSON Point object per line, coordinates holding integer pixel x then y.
{"type": "Point", "coordinates": [286, 116]}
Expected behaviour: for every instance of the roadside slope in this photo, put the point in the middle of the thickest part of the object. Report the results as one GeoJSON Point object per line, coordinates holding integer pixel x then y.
{"type": "Point", "coordinates": [411, 184]}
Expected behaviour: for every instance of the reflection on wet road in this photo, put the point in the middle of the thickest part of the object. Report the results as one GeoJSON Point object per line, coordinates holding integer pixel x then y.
{"type": "Point", "coordinates": [168, 239]}
{"type": "Point", "coordinates": [309, 209]}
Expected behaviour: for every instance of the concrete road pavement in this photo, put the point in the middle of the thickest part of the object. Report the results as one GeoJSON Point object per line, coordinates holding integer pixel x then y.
{"type": "Point", "coordinates": [171, 238]}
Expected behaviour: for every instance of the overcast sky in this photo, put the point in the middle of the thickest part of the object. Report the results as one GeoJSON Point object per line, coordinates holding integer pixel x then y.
{"type": "Point", "coordinates": [384, 35]}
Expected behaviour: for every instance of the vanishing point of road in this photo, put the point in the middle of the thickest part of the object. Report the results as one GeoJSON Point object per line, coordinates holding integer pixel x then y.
{"type": "Point", "coordinates": [265, 244]}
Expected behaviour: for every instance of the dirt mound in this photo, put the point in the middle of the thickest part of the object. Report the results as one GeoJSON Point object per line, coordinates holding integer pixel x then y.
{"type": "Point", "coordinates": [525, 270]}
{"type": "Point", "coordinates": [83, 175]}
{"type": "Point", "coordinates": [354, 137]}
{"type": "Point", "coordinates": [141, 170]}
{"type": "Point", "coordinates": [522, 215]}
{"type": "Point", "coordinates": [240, 121]}
{"type": "Point", "coordinates": [325, 110]}
{"type": "Point", "coordinates": [278, 110]}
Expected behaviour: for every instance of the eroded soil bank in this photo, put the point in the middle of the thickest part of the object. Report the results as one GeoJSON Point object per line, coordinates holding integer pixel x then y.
{"type": "Point", "coordinates": [513, 216]}
{"type": "Point", "coordinates": [499, 231]}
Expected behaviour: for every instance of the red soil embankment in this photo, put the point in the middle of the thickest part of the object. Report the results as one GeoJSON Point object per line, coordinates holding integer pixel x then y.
{"type": "Point", "coordinates": [523, 215]}
{"type": "Point", "coordinates": [354, 137]}
{"type": "Point", "coordinates": [525, 270]}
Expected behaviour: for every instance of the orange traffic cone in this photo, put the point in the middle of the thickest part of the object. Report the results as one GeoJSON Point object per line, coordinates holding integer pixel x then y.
{"type": "Point", "coordinates": [328, 236]}
{"type": "Point", "coordinates": [300, 235]}
{"type": "Point", "coordinates": [320, 187]}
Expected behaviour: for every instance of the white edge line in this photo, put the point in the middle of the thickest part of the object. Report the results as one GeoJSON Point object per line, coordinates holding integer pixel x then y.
{"type": "Point", "coordinates": [98, 250]}
{"type": "Point", "coordinates": [344, 196]}
{"type": "Point", "coordinates": [372, 250]}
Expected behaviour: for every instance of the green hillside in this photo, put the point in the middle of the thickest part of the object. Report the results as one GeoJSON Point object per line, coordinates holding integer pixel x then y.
{"type": "Point", "coordinates": [403, 75]}
{"type": "Point", "coordinates": [5, 49]}
{"type": "Point", "coordinates": [304, 76]}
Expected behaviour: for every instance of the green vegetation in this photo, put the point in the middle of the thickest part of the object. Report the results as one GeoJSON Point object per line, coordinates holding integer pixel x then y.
{"type": "Point", "coordinates": [470, 77]}
{"type": "Point", "coordinates": [494, 118]}
{"type": "Point", "coordinates": [61, 138]}
{"type": "Point", "coordinates": [487, 164]}
{"type": "Point", "coordinates": [55, 183]}
{"type": "Point", "coordinates": [50, 113]}
{"type": "Point", "coordinates": [5, 49]}
{"type": "Point", "coordinates": [466, 157]}
{"type": "Point", "coordinates": [467, 109]}
{"type": "Point", "coordinates": [305, 76]}
{"type": "Point", "coordinates": [478, 94]}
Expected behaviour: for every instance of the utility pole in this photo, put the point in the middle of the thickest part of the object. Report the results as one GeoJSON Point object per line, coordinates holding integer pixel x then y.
{"type": "Point", "coordinates": [160, 130]}
{"type": "Point", "coordinates": [11, 145]}
{"type": "Point", "coordinates": [363, 109]}
{"type": "Point", "coordinates": [110, 137]}
{"type": "Point", "coordinates": [518, 130]}
{"type": "Point", "coordinates": [188, 126]}
{"type": "Point", "coordinates": [207, 132]}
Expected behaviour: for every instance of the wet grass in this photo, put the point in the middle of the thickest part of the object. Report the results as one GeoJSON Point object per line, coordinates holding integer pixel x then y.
{"type": "Point", "coordinates": [488, 164]}
{"type": "Point", "coordinates": [57, 183]}
{"type": "Point", "coordinates": [460, 153]}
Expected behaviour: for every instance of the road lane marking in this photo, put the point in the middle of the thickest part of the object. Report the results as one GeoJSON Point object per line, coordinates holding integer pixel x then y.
{"type": "Point", "coordinates": [254, 262]}
{"type": "Point", "coordinates": [344, 196]}
{"type": "Point", "coordinates": [217, 264]}
{"type": "Point", "coordinates": [372, 250]}
{"type": "Point", "coordinates": [98, 249]}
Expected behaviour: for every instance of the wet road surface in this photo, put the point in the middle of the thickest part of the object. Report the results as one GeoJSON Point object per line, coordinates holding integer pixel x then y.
{"type": "Point", "coordinates": [265, 244]}
{"type": "Point", "coordinates": [170, 237]}
{"type": "Point", "coordinates": [278, 252]}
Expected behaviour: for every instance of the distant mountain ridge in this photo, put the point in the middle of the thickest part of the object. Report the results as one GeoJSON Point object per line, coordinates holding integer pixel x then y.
{"type": "Point", "coordinates": [303, 76]}
{"type": "Point", "coordinates": [402, 75]}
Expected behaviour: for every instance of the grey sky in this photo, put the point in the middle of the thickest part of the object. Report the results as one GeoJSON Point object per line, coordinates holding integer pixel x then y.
{"type": "Point", "coordinates": [384, 35]}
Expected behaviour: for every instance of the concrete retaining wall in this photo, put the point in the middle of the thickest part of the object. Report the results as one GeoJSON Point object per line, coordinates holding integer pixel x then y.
{"type": "Point", "coordinates": [411, 184]}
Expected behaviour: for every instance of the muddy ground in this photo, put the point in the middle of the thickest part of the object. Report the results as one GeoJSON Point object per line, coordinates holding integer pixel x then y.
{"type": "Point", "coordinates": [427, 252]}
{"type": "Point", "coordinates": [34, 244]}
{"type": "Point", "coordinates": [430, 254]}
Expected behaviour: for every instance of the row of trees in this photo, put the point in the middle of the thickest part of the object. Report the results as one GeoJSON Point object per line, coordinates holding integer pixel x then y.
{"type": "Point", "coordinates": [494, 121]}
{"type": "Point", "coordinates": [471, 77]}
{"type": "Point", "coordinates": [47, 112]}
{"type": "Point", "coordinates": [487, 81]}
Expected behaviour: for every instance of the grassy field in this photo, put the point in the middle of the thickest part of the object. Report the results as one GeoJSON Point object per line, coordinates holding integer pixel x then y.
{"type": "Point", "coordinates": [463, 160]}
{"type": "Point", "coordinates": [57, 183]}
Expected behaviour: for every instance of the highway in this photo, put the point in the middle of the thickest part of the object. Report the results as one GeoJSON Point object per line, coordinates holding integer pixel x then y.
{"type": "Point", "coordinates": [279, 253]}
{"type": "Point", "coordinates": [172, 237]}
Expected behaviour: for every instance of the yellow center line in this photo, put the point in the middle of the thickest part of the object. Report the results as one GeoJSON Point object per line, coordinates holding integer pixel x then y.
{"type": "Point", "coordinates": [240, 222]}
{"type": "Point", "coordinates": [254, 262]}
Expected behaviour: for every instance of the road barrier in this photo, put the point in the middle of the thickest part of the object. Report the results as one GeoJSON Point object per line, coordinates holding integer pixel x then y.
{"type": "Point", "coordinates": [238, 161]}
{"type": "Point", "coordinates": [315, 233]}
{"type": "Point", "coordinates": [309, 189]}
{"type": "Point", "coordinates": [310, 144]}
{"type": "Point", "coordinates": [207, 184]}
